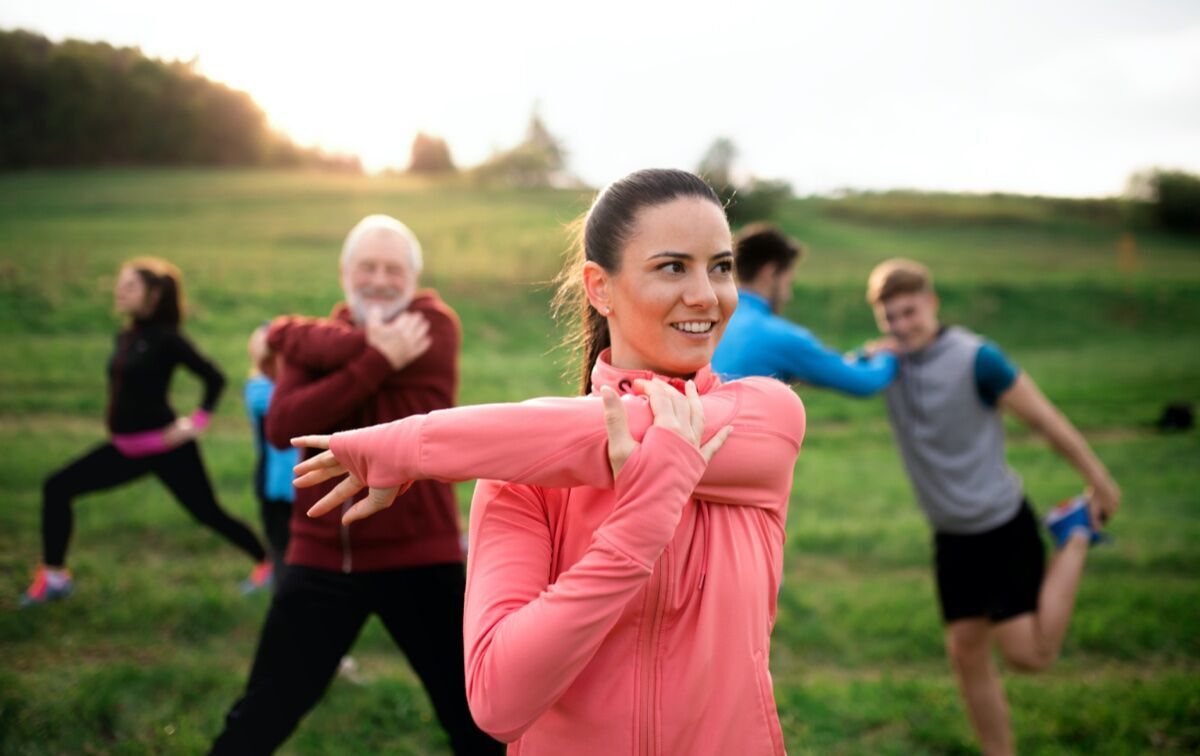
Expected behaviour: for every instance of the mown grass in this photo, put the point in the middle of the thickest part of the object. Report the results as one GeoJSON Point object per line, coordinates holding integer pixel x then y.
{"type": "Point", "coordinates": [156, 644]}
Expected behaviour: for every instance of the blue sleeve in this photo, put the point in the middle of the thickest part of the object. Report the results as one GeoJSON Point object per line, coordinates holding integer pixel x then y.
{"type": "Point", "coordinates": [994, 373]}
{"type": "Point", "coordinates": [258, 396]}
{"type": "Point", "coordinates": [805, 358]}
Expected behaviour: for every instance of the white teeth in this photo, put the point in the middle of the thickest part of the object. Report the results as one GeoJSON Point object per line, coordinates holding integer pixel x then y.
{"type": "Point", "coordinates": [694, 326]}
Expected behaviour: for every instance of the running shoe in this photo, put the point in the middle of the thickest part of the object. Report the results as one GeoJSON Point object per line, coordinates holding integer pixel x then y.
{"type": "Point", "coordinates": [1069, 516]}
{"type": "Point", "coordinates": [48, 585]}
{"type": "Point", "coordinates": [261, 577]}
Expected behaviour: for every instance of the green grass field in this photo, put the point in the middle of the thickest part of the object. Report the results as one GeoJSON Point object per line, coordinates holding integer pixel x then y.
{"type": "Point", "coordinates": [156, 643]}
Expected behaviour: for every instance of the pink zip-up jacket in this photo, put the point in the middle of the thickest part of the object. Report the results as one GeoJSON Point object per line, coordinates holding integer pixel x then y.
{"type": "Point", "coordinates": [612, 617]}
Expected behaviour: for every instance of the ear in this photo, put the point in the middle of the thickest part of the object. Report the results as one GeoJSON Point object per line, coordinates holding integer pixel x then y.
{"type": "Point", "coordinates": [597, 285]}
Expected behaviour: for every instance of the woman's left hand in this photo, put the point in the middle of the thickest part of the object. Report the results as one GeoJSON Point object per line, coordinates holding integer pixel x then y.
{"type": "Point", "coordinates": [179, 433]}
{"type": "Point", "coordinates": [324, 466]}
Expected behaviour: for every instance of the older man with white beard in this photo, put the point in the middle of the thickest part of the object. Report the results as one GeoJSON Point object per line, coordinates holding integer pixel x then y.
{"type": "Point", "coordinates": [389, 351]}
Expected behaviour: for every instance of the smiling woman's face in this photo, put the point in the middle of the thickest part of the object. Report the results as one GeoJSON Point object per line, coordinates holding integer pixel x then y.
{"type": "Point", "coordinates": [669, 301]}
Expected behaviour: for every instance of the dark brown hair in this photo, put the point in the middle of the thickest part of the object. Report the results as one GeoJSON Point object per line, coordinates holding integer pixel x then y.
{"type": "Point", "coordinates": [164, 287]}
{"type": "Point", "coordinates": [761, 244]}
{"type": "Point", "coordinates": [599, 236]}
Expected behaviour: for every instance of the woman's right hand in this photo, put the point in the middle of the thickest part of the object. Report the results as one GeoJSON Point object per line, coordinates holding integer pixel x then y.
{"type": "Point", "coordinates": [682, 414]}
{"type": "Point", "coordinates": [324, 466]}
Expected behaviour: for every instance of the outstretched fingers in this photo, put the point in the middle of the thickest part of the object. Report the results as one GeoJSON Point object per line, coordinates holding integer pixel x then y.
{"type": "Point", "coordinates": [332, 500]}
{"type": "Point", "coordinates": [317, 469]}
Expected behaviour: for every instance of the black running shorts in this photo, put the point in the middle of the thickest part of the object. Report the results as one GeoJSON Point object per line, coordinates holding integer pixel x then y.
{"type": "Point", "coordinates": [996, 574]}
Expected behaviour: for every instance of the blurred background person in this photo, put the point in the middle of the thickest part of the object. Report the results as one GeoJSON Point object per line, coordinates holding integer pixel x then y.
{"type": "Point", "coordinates": [945, 408]}
{"type": "Point", "coordinates": [759, 341]}
{"type": "Point", "coordinates": [272, 465]}
{"type": "Point", "coordinates": [388, 351]}
{"type": "Point", "coordinates": [145, 436]}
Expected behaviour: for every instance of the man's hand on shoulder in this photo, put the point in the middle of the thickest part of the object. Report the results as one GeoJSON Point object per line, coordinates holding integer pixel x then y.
{"type": "Point", "coordinates": [402, 340]}
{"type": "Point", "coordinates": [881, 346]}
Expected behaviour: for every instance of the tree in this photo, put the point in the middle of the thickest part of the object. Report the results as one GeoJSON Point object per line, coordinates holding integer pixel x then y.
{"type": "Point", "coordinates": [716, 166]}
{"type": "Point", "coordinates": [1171, 198]}
{"type": "Point", "coordinates": [430, 154]}
{"type": "Point", "coordinates": [89, 103]}
{"type": "Point", "coordinates": [747, 200]}
{"type": "Point", "coordinates": [539, 160]}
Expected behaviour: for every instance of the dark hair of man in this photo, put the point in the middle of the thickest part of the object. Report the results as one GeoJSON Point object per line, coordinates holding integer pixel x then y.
{"type": "Point", "coordinates": [600, 236]}
{"type": "Point", "coordinates": [761, 245]}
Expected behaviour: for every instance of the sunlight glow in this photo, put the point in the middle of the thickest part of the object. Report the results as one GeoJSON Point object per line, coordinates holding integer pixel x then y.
{"type": "Point", "coordinates": [1019, 96]}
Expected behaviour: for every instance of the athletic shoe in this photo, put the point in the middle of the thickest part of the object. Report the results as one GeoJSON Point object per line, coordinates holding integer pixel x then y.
{"type": "Point", "coordinates": [1069, 516]}
{"type": "Point", "coordinates": [48, 585]}
{"type": "Point", "coordinates": [262, 576]}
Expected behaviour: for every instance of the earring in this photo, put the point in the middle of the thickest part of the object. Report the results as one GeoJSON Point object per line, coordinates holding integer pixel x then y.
{"type": "Point", "coordinates": [607, 311]}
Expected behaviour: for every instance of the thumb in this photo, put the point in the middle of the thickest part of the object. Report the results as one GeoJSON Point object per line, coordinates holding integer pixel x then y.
{"type": "Point", "coordinates": [716, 442]}
{"type": "Point", "coordinates": [376, 500]}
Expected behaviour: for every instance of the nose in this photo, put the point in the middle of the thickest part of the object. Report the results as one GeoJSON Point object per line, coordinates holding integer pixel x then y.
{"type": "Point", "coordinates": [379, 279]}
{"type": "Point", "coordinates": [700, 293]}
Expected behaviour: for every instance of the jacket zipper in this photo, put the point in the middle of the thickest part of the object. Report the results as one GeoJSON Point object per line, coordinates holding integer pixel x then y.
{"type": "Point", "coordinates": [649, 667]}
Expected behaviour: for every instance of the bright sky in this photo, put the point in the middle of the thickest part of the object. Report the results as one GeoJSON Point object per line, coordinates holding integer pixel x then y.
{"type": "Point", "coordinates": [1065, 97]}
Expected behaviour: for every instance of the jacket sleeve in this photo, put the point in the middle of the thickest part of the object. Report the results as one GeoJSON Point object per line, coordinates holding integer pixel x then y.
{"type": "Point", "coordinates": [526, 642]}
{"type": "Point", "coordinates": [203, 368]}
{"type": "Point", "coordinates": [562, 443]}
{"type": "Point", "coordinates": [317, 344]}
{"type": "Point", "coordinates": [823, 367]}
{"type": "Point", "coordinates": [801, 356]}
{"type": "Point", "coordinates": [305, 402]}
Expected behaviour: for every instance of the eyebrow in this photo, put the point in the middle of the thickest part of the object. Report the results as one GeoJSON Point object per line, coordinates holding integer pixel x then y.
{"type": "Point", "coordinates": [686, 256]}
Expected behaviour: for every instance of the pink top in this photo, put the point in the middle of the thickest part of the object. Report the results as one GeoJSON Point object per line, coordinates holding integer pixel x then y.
{"type": "Point", "coordinates": [633, 619]}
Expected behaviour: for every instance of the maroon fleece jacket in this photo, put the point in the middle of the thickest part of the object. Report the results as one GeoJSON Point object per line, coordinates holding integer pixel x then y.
{"type": "Point", "coordinates": [331, 380]}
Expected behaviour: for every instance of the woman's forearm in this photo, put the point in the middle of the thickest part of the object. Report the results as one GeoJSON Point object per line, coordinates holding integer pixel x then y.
{"type": "Point", "coordinates": [562, 443]}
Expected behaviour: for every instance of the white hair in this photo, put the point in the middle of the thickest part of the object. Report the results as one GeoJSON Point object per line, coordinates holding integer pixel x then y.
{"type": "Point", "coordinates": [373, 225]}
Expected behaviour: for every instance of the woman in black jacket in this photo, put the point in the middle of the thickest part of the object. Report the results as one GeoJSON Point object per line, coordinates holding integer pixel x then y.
{"type": "Point", "coordinates": [145, 436]}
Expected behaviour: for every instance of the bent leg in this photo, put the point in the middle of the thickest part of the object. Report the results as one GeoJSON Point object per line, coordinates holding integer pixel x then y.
{"type": "Point", "coordinates": [182, 471]}
{"type": "Point", "coordinates": [968, 647]}
{"type": "Point", "coordinates": [102, 467]}
{"type": "Point", "coordinates": [314, 618]}
{"type": "Point", "coordinates": [1031, 641]}
{"type": "Point", "coordinates": [422, 609]}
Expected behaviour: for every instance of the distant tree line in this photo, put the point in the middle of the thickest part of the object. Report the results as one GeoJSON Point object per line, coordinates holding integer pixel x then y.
{"type": "Point", "coordinates": [1169, 199]}
{"type": "Point", "coordinates": [88, 103]}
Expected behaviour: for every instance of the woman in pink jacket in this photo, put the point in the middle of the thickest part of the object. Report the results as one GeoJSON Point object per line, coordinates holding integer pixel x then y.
{"type": "Point", "coordinates": [622, 584]}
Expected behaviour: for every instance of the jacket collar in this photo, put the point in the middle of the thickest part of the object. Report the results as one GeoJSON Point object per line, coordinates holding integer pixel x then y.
{"type": "Point", "coordinates": [604, 374]}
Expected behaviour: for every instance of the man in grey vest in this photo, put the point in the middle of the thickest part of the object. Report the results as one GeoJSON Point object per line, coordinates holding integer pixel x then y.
{"type": "Point", "coordinates": [993, 583]}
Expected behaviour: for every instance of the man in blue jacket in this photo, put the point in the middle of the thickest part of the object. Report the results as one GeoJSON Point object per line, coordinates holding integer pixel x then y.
{"type": "Point", "coordinates": [760, 342]}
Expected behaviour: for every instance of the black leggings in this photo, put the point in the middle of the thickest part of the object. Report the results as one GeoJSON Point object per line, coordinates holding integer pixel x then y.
{"type": "Point", "coordinates": [180, 470]}
{"type": "Point", "coordinates": [276, 519]}
{"type": "Point", "coordinates": [314, 619]}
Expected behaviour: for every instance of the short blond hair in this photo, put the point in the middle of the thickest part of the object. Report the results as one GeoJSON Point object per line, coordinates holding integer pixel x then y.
{"type": "Point", "coordinates": [897, 276]}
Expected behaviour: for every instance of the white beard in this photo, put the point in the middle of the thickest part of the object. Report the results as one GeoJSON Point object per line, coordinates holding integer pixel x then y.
{"type": "Point", "coordinates": [360, 308]}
